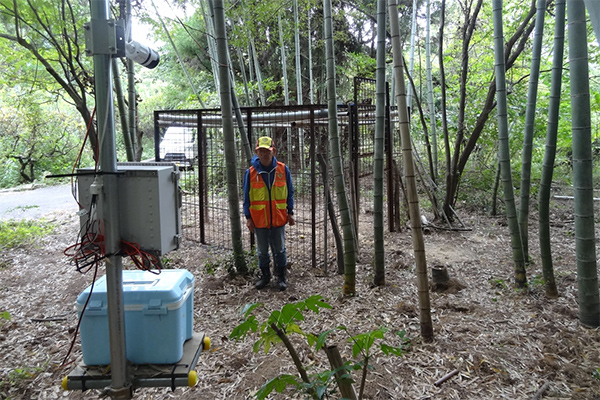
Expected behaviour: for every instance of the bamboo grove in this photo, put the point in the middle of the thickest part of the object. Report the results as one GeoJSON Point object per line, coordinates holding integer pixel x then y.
{"type": "Point", "coordinates": [450, 70]}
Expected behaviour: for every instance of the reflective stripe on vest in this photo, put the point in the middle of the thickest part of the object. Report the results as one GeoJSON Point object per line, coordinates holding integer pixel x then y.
{"type": "Point", "coordinates": [268, 208]}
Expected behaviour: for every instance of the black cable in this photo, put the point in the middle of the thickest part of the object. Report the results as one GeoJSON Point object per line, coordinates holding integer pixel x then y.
{"type": "Point", "coordinates": [80, 319]}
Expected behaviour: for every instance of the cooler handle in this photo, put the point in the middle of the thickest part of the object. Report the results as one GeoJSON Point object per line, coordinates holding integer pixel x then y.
{"type": "Point", "coordinates": [155, 307]}
{"type": "Point", "coordinates": [95, 308]}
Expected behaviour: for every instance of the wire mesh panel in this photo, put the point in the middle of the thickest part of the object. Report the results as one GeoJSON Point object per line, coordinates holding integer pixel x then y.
{"type": "Point", "coordinates": [362, 147]}
{"type": "Point", "coordinates": [177, 140]}
{"type": "Point", "coordinates": [300, 135]}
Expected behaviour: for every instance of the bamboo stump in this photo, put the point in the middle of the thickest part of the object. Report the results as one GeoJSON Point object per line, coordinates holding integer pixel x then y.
{"type": "Point", "coordinates": [441, 281]}
{"type": "Point", "coordinates": [440, 278]}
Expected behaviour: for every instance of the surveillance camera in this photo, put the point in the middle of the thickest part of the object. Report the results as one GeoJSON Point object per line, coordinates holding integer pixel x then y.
{"type": "Point", "coordinates": [142, 54]}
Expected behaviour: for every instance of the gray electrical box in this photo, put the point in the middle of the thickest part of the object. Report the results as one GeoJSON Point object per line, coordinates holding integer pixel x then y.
{"type": "Point", "coordinates": [149, 204]}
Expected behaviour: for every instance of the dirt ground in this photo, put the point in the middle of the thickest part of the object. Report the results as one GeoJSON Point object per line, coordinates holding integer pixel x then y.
{"type": "Point", "coordinates": [499, 342]}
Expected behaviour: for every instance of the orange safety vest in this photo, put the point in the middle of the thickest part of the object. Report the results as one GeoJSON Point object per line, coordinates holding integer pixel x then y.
{"type": "Point", "coordinates": [268, 208]}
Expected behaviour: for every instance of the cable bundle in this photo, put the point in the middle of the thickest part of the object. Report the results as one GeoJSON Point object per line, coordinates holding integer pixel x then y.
{"type": "Point", "coordinates": [90, 247]}
{"type": "Point", "coordinates": [141, 259]}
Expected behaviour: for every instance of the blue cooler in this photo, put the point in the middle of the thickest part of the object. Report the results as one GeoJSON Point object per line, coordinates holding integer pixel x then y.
{"type": "Point", "coordinates": [158, 312]}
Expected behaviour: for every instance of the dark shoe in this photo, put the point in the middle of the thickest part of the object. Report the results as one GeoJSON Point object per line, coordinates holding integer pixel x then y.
{"type": "Point", "coordinates": [281, 278]}
{"type": "Point", "coordinates": [281, 284]}
{"type": "Point", "coordinates": [264, 280]}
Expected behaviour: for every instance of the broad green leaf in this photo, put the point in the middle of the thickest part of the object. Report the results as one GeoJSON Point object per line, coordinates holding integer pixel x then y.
{"type": "Point", "coordinates": [289, 313]}
{"type": "Point", "coordinates": [240, 331]}
{"type": "Point", "coordinates": [387, 350]}
{"type": "Point", "coordinates": [311, 339]}
{"type": "Point", "coordinates": [294, 328]}
{"type": "Point", "coordinates": [257, 345]}
{"type": "Point", "coordinates": [279, 384]}
{"type": "Point", "coordinates": [320, 342]}
{"type": "Point", "coordinates": [315, 302]}
{"type": "Point", "coordinates": [274, 317]}
{"type": "Point", "coordinates": [269, 337]}
{"type": "Point", "coordinates": [248, 308]}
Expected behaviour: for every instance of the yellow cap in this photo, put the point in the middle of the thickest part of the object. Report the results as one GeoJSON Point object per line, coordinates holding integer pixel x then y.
{"type": "Point", "coordinates": [192, 378]}
{"type": "Point", "coordinates": [64, 383]}
{"type": "Point", "coordinates": [264, 142]}
{"type": "Point", "coordinates": [205, 343]}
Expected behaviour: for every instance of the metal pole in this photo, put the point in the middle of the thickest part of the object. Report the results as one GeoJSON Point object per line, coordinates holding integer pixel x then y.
{"type": "Point", "coordinates": [108, 200]}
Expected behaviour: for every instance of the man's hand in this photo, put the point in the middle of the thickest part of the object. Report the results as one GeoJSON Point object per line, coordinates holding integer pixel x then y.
{"type": "Point", "coordinates": [291, 220]}
{"type": "Point", "coordinates": [250, 225]}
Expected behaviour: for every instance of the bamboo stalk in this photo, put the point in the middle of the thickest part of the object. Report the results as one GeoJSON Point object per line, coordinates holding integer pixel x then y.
{"type": "Point", "coordinates": [342, 375]}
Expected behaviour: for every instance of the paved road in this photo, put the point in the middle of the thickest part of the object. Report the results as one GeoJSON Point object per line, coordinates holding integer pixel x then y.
{"type": "Point", "coordinates": [35, 203]}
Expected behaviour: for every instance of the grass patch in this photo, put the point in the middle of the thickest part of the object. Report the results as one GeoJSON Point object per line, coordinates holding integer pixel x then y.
{"type": "Point", "coordinates": [22, 233]}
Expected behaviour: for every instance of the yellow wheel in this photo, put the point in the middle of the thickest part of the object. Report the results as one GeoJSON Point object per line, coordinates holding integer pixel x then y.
{"type": "Point", "coordinates": [64, 383]}
{"type": "Point", "coordinates": [192, 378]}
{"type": "Point", "coordinates": [205, 343]}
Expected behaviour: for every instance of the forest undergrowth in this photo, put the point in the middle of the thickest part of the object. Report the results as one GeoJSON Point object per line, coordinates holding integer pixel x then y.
{"type": "Point", "coordinates": [498, 342]}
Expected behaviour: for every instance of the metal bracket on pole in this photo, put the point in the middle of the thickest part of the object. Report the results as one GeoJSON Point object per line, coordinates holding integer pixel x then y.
{"type": "Point", "coordinates": [121, 393]}
{"type": "Point", "coordinates": [104, 37]}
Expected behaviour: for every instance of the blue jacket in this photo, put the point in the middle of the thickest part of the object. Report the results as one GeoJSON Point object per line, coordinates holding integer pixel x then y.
{"type": "Point", "coordinates": [268, 175]}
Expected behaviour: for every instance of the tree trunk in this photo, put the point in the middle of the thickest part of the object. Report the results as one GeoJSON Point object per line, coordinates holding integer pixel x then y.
{"type": "Point", "coordinates": [513, 48]}
{"type": "Point", "coordinates": [336, 158]}
{"type": "Point", "coordinates": [342, 372]}
{"type": "Point", "coordinates": [299, 94]}
{"type": "Point", "coordinates": [311, 93]}
{"type": "Point", "coordinates": [494, 207]}
{"type": "Point", "coordinates": [244, 77]}
{"type": "Point", "coordinates": [593, 7]}
{"type": "Point", "coordinates": [234, 101]}
{"type": "Point", "coordinates": [529, 128]}
{"type": "Point", "coordinates": [129, 149]}
{"type": "Point", "coordinates": [587, 274]}
{"type": "Point", "coordinates": [259, 82]}
{"type": "Point", "coordinates": [550, 153]}
{"type": "Point", "coordinates": [212, 46]}
{"type": "Point", "coordinates": [229, 140]}
{"type": "Point", "coordinates": [131, 95]}
{"type": "Point", "coordinates": [299, 100]}
{"type": "Point", "coordinates": [503, 149]}
{"type": "Point", "coordinates": [432, 122]}
{"type": "Point", "coordinates": [339, 244]}
{"type": "Point", "coordinates": [411, 58]}
{"type": "Point", "coordinates": [286, 90]}
{"type": "Point", "coordinates": [409, 170]}
{"type": "Point", "coordinates": [453, 174]}
{"type": "Point", "coordinates": [444, 109]}
{"type": "Point", "coordinates": [379, 259]}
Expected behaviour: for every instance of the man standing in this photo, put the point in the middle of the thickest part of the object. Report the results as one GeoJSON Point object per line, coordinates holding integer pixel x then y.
{"type": "Point", "coordinates": [268, 207]}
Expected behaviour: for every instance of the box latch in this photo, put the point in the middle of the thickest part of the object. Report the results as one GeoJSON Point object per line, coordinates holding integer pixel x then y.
{"type": "Point", "coordinates": [155, 307]}
{"type": "Point", "coordinates": [95, 307]}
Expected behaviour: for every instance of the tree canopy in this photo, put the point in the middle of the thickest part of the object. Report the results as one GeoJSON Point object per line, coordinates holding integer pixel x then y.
{"type": "Point", "coordinates": [42, 47]}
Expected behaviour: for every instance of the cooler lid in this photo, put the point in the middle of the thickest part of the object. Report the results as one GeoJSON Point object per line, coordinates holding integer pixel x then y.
{"type": "Point", "coordinates": [169, 288]}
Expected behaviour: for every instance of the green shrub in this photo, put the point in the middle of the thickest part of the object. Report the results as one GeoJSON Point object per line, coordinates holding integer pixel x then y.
{"type": "Point", "coordinates": [22, 233]}
{"type": "Point", "coordinates": [319, 385]}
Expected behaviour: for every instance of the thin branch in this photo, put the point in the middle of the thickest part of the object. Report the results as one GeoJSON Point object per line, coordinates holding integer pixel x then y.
{"type": "Point", "coordinates": [290, 347]}
{"type": "Point", "coordinates": [540, 393]}
{"type": "Point", "coordinates": [445, 377]}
